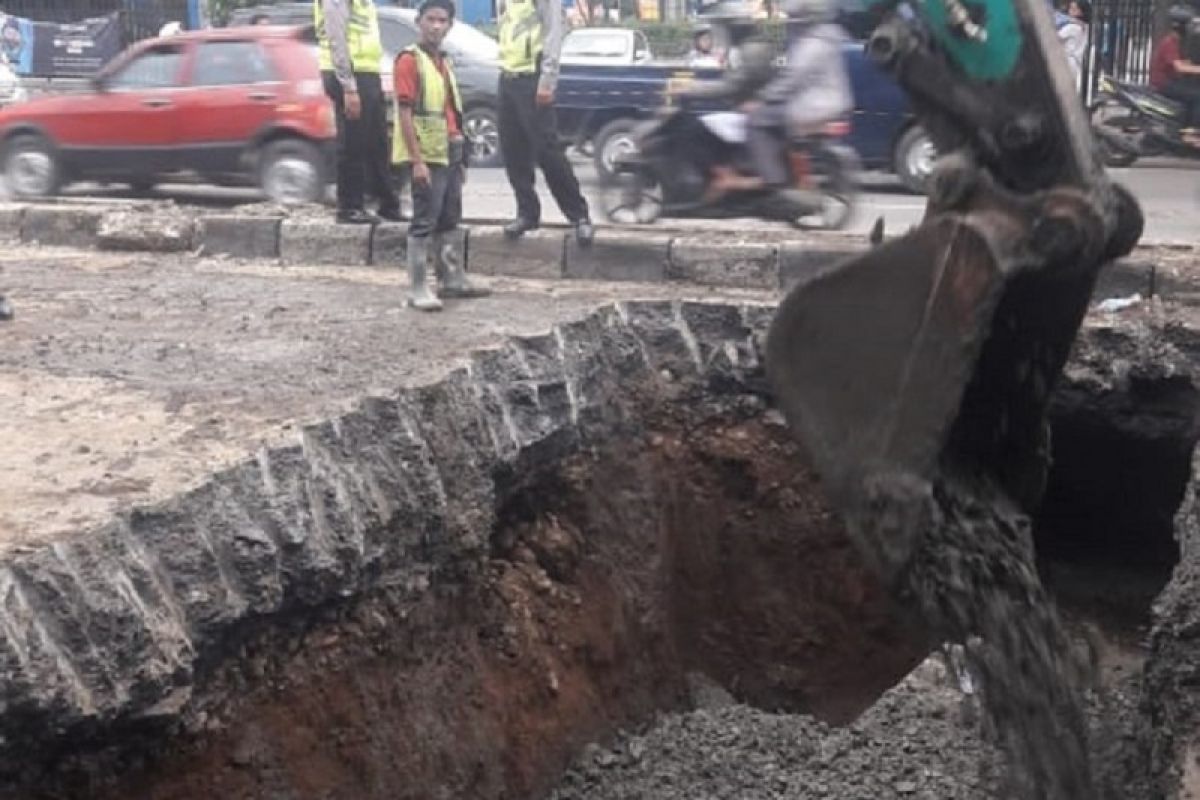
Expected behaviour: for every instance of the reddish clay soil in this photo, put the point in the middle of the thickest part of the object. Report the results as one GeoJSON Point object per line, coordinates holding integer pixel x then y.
{"type": "Point", "coordinates": [611, 578]}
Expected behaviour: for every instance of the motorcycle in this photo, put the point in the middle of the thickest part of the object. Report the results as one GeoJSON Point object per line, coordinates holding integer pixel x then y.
{"type": "Point", "coordinates": [1131, 122]}
{"type": "Point", "coordinates": [669, 172]}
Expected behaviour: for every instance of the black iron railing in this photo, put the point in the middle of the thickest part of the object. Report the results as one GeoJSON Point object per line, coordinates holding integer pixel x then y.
{"type": "Point", "coordinates": [1121, 42]}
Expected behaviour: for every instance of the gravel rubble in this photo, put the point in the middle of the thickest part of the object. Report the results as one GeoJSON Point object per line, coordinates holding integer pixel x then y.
{"type": "Point", "coordinates": [925, 739]}
{"type": "Point", "coordinates": [922, 740]}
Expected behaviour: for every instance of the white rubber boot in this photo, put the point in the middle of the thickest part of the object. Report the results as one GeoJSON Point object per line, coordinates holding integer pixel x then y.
{"type": "Point", "coordinates": [419, 294]}
{"type": "Point", "coordinates": [450, 272]}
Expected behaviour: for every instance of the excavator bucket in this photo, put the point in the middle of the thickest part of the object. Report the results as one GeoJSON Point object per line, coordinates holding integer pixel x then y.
{"type": "Point", "coordinates": [939, 350]}
{"type": "Point", "coordinates": [870, 361]}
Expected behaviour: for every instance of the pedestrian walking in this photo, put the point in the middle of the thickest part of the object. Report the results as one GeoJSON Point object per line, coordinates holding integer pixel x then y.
{"type": "Point", "coordinates": [349, 51]}
{"type": "Point", "coordinates": [1071, 21]}
{"type": "Point", "coordinates": [428, 140]}
{"type": "Point", "coordinates": [531, 36]}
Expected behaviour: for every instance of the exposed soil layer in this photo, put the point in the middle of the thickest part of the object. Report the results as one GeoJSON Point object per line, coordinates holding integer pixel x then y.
{"type": "Point", "coordinates": [448, 592]}
{"type": "Point", "coordinates": [699, 546]}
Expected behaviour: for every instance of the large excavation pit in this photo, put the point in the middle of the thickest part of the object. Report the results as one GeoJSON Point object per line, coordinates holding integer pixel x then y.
{"type": "Point", "coordinates": [520, 578]}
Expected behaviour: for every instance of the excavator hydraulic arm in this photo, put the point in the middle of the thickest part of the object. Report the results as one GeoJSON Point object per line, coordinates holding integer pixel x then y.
{"type": "Point", "coordinates": [936, 353]}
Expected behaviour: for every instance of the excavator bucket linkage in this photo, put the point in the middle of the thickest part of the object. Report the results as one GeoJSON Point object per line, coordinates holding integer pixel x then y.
{"type": "Point", "coordinates": [938, 350]}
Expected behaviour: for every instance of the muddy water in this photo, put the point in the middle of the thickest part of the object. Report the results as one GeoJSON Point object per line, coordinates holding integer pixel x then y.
{"type": "Point", "coordinates": [974, 579]}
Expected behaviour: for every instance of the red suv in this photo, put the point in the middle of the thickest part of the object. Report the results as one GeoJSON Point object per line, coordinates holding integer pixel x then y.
{"type": "Point", "coordinates": [235, 106]}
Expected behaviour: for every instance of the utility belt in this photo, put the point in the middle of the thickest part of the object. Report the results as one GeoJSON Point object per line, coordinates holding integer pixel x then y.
{"type": "Point", "coordinates": [533, 74]}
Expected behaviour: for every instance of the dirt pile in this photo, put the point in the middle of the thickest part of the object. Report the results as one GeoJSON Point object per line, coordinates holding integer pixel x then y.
{"type": "Point", "coordinates": [921, 740]}
{"type": "Point", "coordinates": [925, 739]}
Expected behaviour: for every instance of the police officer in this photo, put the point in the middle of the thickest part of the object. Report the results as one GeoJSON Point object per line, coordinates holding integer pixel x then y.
{"type": "Point", "coordinates": [349, 52]}
{"type": "Point", "coordinates": [531, 35]}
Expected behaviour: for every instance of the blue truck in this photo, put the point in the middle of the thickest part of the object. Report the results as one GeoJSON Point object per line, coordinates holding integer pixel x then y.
{"type": "Point", "coordinates": [599, 107]}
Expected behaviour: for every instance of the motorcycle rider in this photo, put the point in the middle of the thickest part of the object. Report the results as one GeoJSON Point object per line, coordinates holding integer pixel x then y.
{"type": "Point", "coordinates": [812, 90]}
{"type": "Point", "coordinates": [749, 55]}
{"type": "Point", "coordinates": [750, 58]}
{"type": "Point", "coordinates": [703, 54]}
{"type": "Point", "coordinates": [1174, 76]}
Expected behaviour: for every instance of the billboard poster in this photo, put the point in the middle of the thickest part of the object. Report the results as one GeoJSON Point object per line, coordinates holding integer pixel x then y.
{"type": "Point", "coordinates": [648, 10]}
{"type": "Point", "coordinates": [54, 49]}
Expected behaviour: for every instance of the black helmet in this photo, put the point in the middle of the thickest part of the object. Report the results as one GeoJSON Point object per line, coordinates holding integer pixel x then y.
{"type": "Point", "coordinates": [808, 11]}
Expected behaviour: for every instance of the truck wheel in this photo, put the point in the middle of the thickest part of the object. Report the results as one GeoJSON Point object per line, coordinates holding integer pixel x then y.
{"type": "Point", "coordinates": [612, 141]}
{"type": "Point", "coordinates": [290, 171]}
{"type": "Point", "coordinates": [30, 167]}
{"type": "Point", "coordinates": [482, 130]}
{"type": "Point", "coordinates": [914, 159]}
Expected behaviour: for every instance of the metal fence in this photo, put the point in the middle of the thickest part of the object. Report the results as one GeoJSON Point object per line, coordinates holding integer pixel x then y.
{"type": "Point", "coordinates": [1121, 42]}
{"type": "Point", "coordinates": [139, 18]}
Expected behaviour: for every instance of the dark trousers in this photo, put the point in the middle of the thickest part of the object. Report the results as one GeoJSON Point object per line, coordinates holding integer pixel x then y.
{"type": "Point", "coordinates": [765, 135]}
{"type": "Point", "coordinates": [1186, 91]}
{"type": "Point", "coordinates": [362, 145]}
{"type": "Point", "coordinates": [437, 206]}
{"type": "Point", "coordinates": [529, 138]}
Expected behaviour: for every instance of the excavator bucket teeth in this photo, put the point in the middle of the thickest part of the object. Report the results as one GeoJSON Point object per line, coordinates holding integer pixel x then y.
{"type": "Point", "coordinates": [870, 360]}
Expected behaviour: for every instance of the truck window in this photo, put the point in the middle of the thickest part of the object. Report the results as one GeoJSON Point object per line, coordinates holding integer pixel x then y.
{"type": "Point", "coordinates": [641, 47]}
{"type": "Point", "coordinates": [596, 44]}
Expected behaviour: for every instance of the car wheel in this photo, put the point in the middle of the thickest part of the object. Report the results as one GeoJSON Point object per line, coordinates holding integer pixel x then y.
{"type": "Point", "coordinates": [914, 159]}
{"type": "Point", "coordinates": [482, 130]}
{"type": "Point", "coordinates": [612, 141]}
{"type": "Point", "coordinates": [290, 171]}
{"type": "Point", "coordinates": [31, 168]}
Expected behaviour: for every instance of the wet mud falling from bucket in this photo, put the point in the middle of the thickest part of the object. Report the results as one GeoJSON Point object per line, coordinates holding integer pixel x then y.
{"type": "Point", "coordinates": [974, 579]}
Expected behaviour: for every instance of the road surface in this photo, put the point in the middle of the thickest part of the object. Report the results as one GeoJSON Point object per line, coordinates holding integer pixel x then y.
{"type": "Point", "coordinates": [1169, 193]}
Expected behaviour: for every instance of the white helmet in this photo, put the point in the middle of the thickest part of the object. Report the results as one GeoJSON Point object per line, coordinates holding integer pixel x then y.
{"type": "Point", "coordinates": [734, 17]}
{"type": "Point", "coordinates": [725, 11]}
{"type": "Point", "coordinates": [171, 29]}
{"type": "Point", "coordinates": [808, 11]}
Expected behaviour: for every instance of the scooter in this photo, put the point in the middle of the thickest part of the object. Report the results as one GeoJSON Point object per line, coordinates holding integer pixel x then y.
{"type": "Point", "coordinates": [669, 174]}
{"type": "Point", "coordinates": [1131, 122]}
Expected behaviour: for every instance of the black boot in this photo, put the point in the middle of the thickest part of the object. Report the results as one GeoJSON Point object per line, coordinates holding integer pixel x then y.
{"type": "Point", "coordinates": [519, 227]}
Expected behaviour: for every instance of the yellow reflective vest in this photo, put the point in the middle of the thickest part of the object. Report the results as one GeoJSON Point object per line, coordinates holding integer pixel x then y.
{"type": "Point", "coordinates": [520, 36]}
{"type": "Point", "coordinates": [429, 111]}
{"type": "Point", "coordinates": [362, 34]}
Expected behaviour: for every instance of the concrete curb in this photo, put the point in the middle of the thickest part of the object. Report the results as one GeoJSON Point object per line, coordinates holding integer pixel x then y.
{"type": "Point", "coordinates": [651, 255]}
